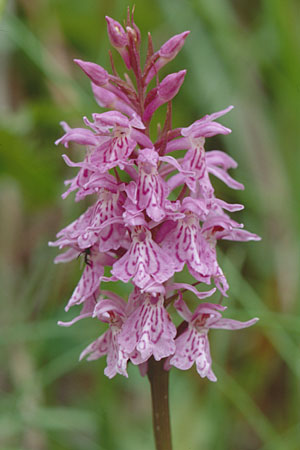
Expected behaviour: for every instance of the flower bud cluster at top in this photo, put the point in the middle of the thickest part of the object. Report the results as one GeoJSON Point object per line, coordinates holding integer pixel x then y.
{"type": "Point", "coordinates": [147, 228]}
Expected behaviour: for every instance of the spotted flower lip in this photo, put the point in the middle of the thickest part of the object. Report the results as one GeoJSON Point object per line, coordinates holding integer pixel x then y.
{"type": "Point", "coordinates": [150, 214]}
{"type": "Point", "coordinates": [144, 261]}
{"type": "Point", "coordinates": [149, 330]}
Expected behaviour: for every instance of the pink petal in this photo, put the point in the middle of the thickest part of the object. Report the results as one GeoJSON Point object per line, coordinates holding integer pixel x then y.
{"type": "Point", "coordinates": [79, 135]}
{"type": "Point", "coordinates": [86, 311]}
{"type": "Point", "coordinates": [227, 179]}
{"type": "Point", "coordinates": [145, 261]}
{"type": "Point", "coordinates": [191, 288]}
{"type": "Point", "coordinates": [231, 324]}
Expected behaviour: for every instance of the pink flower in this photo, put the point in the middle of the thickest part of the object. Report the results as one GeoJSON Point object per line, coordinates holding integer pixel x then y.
{"type": "Point", "coordinates": [113, 139]}
{"type": "Point", "coordinates": [88, 230]}
{"type": "Point", "coordinates": [186, 244]}
{"type": "Point", "coordinates": [107, 207]}
{"type": "Point", "coordinates": [192, 346]}
{"type": "Point", "coordinates": [149, 330]}
{"type": "Point", "coordinates": [111, 311]}
{"type": "Point", "coordinates": [194, 140]}
{"type": "Point", "coordinates": [79, 135]}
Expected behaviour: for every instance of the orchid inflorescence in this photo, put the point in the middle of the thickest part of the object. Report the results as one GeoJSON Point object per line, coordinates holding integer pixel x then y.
{"type": "Point", "coordinates": [153, 214]}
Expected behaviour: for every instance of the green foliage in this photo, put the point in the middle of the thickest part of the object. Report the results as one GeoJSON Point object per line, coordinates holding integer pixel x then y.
{"type": "Point", "coordinates": [238, 52]}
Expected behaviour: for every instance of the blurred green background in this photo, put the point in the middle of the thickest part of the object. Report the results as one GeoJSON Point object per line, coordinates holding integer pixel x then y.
{"type": "Point", "coordinates": [239, 52]}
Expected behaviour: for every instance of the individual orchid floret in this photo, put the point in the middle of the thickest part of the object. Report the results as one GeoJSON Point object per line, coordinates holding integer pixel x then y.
{"type": "Point", "coordinates": [148, 330]}
{"type": "Point", "coordinates": [125, 132]}
{"type": "Point", "coordinates": [163, 93]}
{"type": "Point", "coordinates": [166, 53]}
{"type": "Point", "coordinates": [118, 38]}
{"type": "Point", "coordinates": [111, 311]}
{"type": "Point", "coordinates": [202, 128]}
{"type": "Point", "coordinates": [192, 346]}
{"type": "Point", "coordinates": [112, 142]}
{"type": "Point", "coordinates": [151, 190]}
{"type": "Point", "coordinates": [107, 207]}
{"type": "Point", "coordinates": [186, 244]}
{"type": "Point", "coordinates": [144, 262]}
{"type": "Point", "coordinates": [196, 159]}
{"type": "Point", "coordinates": [68, 236]}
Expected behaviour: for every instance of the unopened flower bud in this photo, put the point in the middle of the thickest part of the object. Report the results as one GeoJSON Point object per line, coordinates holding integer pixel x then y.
{"type": "Point", "coordinates": [165, 92]}
{"type": "Point", "coordinates": [167, 52]}
{"type": "Point", "coordinates": [171, 48]}
{"type": "Point", "coordinates": [96, 73]}
{"type": "Point", "coordinates": [170, 85]}
{"type": "Point", "coordinates": [134, 33]}
{"type": "Point", "coordinates": [117, 36]}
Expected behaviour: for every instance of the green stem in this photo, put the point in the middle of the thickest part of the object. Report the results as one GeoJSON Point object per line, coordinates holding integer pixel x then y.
{"type": "Point", "coordinates": [159, 381]}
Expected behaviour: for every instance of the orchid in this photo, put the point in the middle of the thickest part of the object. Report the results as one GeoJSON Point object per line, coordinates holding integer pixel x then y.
{"type": "Point", "coordinates": [150, 215]}
{"type": "Point", "coordinates": [192, 345]}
